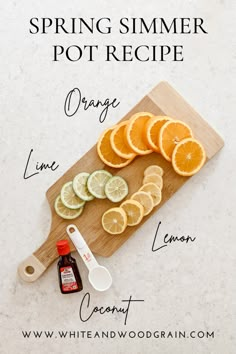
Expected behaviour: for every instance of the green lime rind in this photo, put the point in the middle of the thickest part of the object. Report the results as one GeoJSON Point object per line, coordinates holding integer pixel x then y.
{"type": "Point", "coordinates": [96, 183]}
{"type": "Point", "coordinates": [116, 189]}
{"type": "Point", "coordinates": [69, 198]}
{"type": "Point", "coordinates": [65, 212]}
{"type": "Point", "coordinates": [80, 186]}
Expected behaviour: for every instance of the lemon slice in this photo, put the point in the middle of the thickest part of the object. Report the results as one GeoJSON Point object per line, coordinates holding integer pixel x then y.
{"type": "Point", "coordinates": [96, 183]}
{"type": "Point", "coordinates": [154, 169]}
{"type": "Point", "coordinates": [134, 211]}
{"type": "Point", "coordinates": [114, 221]}
{"type": "Point", "coordinates": [65, 212]}
{"type": "Point", "coordinates": [154, 191]}
{"type": "Point", "coordinates": [69, 198]}
{"type": "Point", "coordinates": [145, 200]}
{"type": "Point", "coordinates": [116, 189]}
{"type": "Point", "coordinates": [80, 186]}
{"type": "Point", "coordinates": [153, 179]}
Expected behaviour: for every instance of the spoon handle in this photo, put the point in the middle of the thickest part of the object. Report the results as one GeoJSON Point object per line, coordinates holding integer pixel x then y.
{"type": "Point", "coordinates": [82, 247]}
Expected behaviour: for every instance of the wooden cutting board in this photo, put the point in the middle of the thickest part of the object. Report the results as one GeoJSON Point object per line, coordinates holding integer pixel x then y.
{"type": "Point", "coordinates": [162, 100]}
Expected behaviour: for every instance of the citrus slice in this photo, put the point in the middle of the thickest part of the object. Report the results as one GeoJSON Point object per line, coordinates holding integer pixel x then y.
{"type": "Point", "coordinates": [134, 133]}
{"type": "Point", "coordinates": [134, 211]}
{"type": "Point", "coordinates": [153, 190]}
{"type": "Point", "coordinates": [171, 134]}
{"type": "Point", "coordinates": [69, 198]}
{"type": "Point", "coordinates": [145, 200]}
{"type": "Point", "coordinates": [118, 142]}
{"type": "Point", "coordinates": [153, 179]}
{"type": "Point", "coordinates": [188, 157]}
{"type": "Point", "coordinates": [153, 169]}
{"type": "Point", "coordinates": [116, 189]}
{"type": "Point", "coordinates": [80, 186]}
{"type": "Point", "coordinates": [106, 153]}
{"type": "Point", "coordinates": [96, 183]}
{"type": "Point", "coordinates": [114, 221]}
{"type": "Point", "coordinates": [65, 212]}
{"type": "Point", "coordinates": [153, 127]}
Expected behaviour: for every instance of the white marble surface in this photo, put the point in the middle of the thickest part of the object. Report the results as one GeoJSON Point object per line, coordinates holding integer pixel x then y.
{"type": "Point", "coordinates": [184, 287]}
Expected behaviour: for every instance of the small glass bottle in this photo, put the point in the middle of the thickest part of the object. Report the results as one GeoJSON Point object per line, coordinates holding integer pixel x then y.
{"type": "Point", "coordinates": [68, 273]}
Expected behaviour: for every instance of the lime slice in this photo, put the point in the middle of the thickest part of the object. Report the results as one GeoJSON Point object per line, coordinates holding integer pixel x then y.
{"type": "Point", "coordinates": [65, 212]}
{"type": "Point", "coordinates": [80, 186]}
{"type": "Point", "coordinates": [96, 183]}
{"type": "Point", "coordinates": [116, 189]}
{"type": "Point", "coordinates": [69, 198]}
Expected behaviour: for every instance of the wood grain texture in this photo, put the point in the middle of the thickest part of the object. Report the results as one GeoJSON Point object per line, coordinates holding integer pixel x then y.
{"type": "Point", "coordinates": [162, 100]}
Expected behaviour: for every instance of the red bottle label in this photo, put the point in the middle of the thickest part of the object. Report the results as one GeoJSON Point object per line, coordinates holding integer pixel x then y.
{"type": "Point", "coordinates": [68, 279]}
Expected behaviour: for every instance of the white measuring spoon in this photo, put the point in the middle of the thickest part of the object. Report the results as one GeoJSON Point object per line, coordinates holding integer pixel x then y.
{"type": "Point", "coordinates": [99, 277]}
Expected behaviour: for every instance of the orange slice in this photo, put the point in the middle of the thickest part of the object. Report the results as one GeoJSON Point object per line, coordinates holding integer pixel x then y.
{"type": "Point", "coordinates": [153, 127]}
{"type": "Point", "coordinates": [118, 142]}
{"type": "Point", "coordinates": [188, 157]}
{"type": "Point", "coordinates": [171, 134]}
{"type": "Point", "coordinates": [135, 133]}
{"type": "Point", "coordinates": [106, 153]}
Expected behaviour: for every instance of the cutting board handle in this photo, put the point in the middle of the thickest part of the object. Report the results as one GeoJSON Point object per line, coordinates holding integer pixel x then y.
{"type": "Point", "coordinates": [31, 269]}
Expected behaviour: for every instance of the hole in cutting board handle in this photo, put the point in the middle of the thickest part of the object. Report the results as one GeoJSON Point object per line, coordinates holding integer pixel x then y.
{"type": "Point", "coordinates": [29, 270]}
